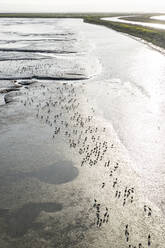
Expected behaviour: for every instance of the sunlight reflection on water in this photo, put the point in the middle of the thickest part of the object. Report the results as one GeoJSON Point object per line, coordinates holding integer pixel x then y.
{"type": "Point", "coordinates": [145, 24]}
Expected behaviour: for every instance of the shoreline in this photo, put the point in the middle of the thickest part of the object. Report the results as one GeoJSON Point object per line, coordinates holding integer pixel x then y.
{"type": "Point", "coordinates": [53, 122]}
{"type": "Point", "coordinates": [94, 181]}
{"type": "Point", "coordinates": [150, 35]}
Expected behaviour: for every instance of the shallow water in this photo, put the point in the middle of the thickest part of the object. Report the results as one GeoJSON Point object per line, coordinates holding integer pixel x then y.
{"type": "Point", "coordinates": [158, 17]}
{"type": "Point", "coordinates": [133, 79]}
{"type": "Point", "coordinates": [19, 221]}
{"type": "Point", "coordinates": [145, 24]}
{"type": "Point", "coordinates": [62, 52]}
{"type": "Point", "coordinates": [61, 172]}
{"type": "Point", "coordinates": [100, 128]}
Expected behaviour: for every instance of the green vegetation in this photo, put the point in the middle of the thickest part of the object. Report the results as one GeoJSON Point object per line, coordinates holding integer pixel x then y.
{"type": "Point", "coordinates": [154, 36]}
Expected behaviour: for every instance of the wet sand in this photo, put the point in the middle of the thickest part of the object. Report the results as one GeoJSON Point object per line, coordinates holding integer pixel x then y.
{"type": "Point", "coordinates": [66, 178]}
{"type": "Point", "coordinates": [98, 204]}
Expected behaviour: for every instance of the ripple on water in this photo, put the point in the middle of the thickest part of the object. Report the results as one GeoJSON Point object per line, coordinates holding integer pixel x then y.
{"type": "Point", "coordinates": [22, 219]}
{"type": "Point", "coordinates": [58, 173]}
{"type": "Point", "coordinates": [61, 172]}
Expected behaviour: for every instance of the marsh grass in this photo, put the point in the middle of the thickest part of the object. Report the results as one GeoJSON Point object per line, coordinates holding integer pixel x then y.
{"type": "Point", "coordinates": [154, 36]}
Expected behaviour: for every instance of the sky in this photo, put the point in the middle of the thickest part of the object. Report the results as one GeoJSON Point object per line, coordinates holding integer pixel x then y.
{"type": "Point", "coordinates": [82, 5]}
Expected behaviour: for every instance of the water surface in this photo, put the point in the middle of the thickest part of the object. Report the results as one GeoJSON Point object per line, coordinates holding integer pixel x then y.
{"type": "Point", "coordinates": [72, 145]}
{"type": "Point", "coordinates": [145, 24]}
